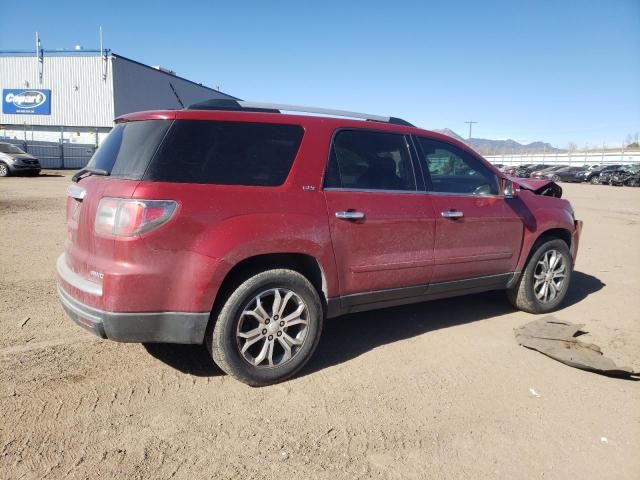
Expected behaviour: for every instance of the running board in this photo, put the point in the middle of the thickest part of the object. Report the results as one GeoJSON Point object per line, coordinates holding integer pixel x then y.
{"type": "Point", "coordinates": [361, 302]}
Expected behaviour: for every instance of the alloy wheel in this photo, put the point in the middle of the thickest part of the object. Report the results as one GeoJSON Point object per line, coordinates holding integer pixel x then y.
{"type": "Point", "coordinates": [549, 276]}
{"type": "Point", "coordinates": [272, 328]}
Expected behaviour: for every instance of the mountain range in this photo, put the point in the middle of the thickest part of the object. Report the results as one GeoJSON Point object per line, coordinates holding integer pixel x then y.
{"type": "Point", "coordinates": [486, 146]}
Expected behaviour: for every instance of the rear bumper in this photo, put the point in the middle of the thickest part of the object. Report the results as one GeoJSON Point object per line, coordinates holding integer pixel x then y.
{"type": "Point", "coordinates": [162, 327]}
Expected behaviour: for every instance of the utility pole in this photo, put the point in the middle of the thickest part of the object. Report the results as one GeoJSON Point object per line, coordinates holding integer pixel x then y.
{"type": "Point", "coordinates": [470, 127]}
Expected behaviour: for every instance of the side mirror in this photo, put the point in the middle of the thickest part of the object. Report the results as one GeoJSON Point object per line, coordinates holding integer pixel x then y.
{"type": "Point", "coordinates": [510, 189]}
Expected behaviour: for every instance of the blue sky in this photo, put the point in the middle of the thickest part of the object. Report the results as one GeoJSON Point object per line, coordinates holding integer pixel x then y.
{"type": "Point", "coordinates": [559, 71]}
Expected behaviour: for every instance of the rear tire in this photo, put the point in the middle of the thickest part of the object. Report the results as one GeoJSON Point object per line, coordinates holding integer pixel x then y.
{"type": "Point", "coordinates": [4, 170]}
{"type": "Point", "coordinates": [541, 289]}
{"type": "Point", "coordinates": [595, 180]}
{"type": "Point", "coordinates": [262, 316]}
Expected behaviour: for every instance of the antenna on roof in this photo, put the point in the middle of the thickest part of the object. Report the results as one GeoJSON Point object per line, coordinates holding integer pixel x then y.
{"type": "Point", "coordinates": [39, 54]}
{"type": "Point", "coordinates": [100, 35]}
{"type": "Point", "coordinates": [103, 55]}
{"type": "Point", "coordinates": [176, 94]}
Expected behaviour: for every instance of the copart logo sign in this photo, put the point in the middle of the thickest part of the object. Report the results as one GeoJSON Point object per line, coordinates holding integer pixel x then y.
{"type": "Point", "coordinates": [30, 102]}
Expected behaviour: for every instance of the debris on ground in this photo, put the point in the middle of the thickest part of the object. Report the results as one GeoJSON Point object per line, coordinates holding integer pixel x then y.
{"type": "Point", "coordinates": [24, 321]}
{"type": "Point", "coordinates": [558, 340]}
{"type": "Point", "coordinates": [534, 393]}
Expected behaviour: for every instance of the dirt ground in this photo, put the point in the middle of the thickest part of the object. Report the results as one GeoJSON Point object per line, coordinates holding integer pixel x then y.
{"type": "Point", "coordinates": [436, 390]}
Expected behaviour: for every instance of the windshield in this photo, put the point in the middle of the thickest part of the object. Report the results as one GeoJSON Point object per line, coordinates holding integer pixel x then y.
{"type": "Point", "coordinates": [8, 148]}
{"type": "Point", "coordinates": [128, 148]}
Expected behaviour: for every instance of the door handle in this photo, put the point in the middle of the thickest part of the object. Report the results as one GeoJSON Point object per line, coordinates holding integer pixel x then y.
{"type": "Point", "coordinates": [350, 215]}
{"type": "Point", "coordinates": [452, 214]}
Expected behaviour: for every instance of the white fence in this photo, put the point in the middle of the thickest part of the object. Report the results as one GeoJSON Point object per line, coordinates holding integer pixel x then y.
{"type": "Point", "coordinates": [574, 158]}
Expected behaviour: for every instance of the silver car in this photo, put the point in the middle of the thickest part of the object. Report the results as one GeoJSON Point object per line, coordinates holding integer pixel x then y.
{"type": "Point", "coordinates": [13, 160]}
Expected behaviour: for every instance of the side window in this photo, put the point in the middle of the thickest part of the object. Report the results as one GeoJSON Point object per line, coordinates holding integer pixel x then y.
{"type": "Point", "coordinates": [452, 170]}
{"type": "Point", "coordinates": [366, 160]}
{"type": "Point", "coordinates": [226, 153]}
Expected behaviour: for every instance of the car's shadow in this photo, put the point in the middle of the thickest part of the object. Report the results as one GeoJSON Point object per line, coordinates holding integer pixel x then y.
{"type": "Point", "coordinates": [45, 175]}
{"type": "Point", "coordinates": [191, 359]}
{"type": "Point", "coordinates": [40, 175]}
{"type": "Point", "coordinates": [349, 336]}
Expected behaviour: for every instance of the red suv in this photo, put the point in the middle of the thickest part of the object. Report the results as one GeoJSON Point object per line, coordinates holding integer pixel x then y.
{"type": "Point", "coordinates": [237, 226]}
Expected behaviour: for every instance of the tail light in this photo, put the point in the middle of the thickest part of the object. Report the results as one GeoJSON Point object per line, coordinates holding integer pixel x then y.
{"type": "Point", "coordinates": [125, 218]}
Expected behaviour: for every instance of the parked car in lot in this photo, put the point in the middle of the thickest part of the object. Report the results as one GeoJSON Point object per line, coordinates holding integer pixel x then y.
{"type": "Point", "coordinates": [605, 176]}
{"type": "Point", "coordinates": [243, 228]}
{"type": "Point", "coordinates": [541, 173]}
{"type": "Point", "coordinates": [14, 160]}
{"type": "Point", "coordinates": [629, 176]}
{"type": "Point", "coordinates": [511, 170]}
{"type": "Point", "coordinates": [593, 175]}
{"type": "Point", "coordinates": [565, 174]}
{"type": "Point", "coordinates": [524, 171]}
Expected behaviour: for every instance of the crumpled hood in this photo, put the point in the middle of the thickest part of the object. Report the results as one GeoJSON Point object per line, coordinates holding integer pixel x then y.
{"type": "Point", "coordinates": [544, 187]}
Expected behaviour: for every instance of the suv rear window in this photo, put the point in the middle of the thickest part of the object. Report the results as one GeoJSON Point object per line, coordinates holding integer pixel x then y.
{"type": "Point", "coordinates": [128, 148]}
{"type": "Point", "coordinates": [226, 153]}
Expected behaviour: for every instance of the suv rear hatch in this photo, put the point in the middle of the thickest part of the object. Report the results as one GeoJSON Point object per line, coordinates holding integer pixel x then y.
{"type": "Point", "coordinates": [115, 171]}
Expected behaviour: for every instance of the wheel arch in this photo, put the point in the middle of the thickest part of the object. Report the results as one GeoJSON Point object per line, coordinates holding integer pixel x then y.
{"type": "Point", "coordinates": [560, 233]}
{"type": "Point", "coordinates": [305, 264]}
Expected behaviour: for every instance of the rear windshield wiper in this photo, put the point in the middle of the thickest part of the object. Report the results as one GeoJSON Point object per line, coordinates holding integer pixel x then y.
{"type": "Point", "coordinates": [87, 171]}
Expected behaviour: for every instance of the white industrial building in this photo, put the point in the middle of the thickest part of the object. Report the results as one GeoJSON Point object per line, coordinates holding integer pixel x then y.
{"type": "Point", "coordinates": [54, 101]}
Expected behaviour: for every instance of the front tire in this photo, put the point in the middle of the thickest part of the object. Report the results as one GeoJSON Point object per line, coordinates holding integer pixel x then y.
{"type": "Point", "coordinates": [268, 328]}
{"type": "Point", "coordinates": [595, 180]}
{"type": "Point", "coordinates": [556, 178]}
{"type": "Point", "coordinates": [4, 170]}
{"type": "Point", "coordinates": [545, 280]}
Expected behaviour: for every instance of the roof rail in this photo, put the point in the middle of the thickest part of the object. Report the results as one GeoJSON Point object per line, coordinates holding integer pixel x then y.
{"type": "Point", "coordinates": [241, 105]}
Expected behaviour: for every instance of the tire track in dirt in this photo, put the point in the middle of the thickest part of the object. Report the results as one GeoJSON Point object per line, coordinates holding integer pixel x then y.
{"type": "Point", "coordinates": [73, 400]}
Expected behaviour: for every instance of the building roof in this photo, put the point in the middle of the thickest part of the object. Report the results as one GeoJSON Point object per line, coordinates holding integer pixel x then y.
{"type": "Point", "coordinates": [97, 53]}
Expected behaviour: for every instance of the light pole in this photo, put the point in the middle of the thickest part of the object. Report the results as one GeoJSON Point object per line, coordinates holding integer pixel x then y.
{"type": "Point", "coordinates": [470, 123]}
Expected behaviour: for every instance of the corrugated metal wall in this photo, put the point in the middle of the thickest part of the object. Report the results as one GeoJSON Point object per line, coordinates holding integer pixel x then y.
{"type": "Point", "coordinates": [55, 154]}
{"type": "Point", "coordinates": [79, 95]}
{"type": "Point", "coordinates": [139, 87]}
{"type": "Point", "coordinates": [82, 88]}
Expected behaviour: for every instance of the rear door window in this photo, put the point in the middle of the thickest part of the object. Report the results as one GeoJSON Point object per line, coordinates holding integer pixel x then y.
{"type": "Point", "coordinates": [367, 160]}
{"type": "Point", "coordinates": [226, 153]}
